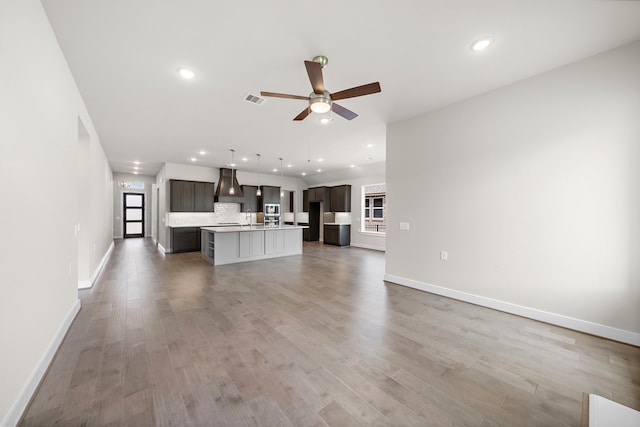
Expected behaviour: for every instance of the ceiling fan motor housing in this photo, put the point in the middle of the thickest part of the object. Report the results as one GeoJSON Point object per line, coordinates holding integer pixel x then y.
{"type": "Point", "coordinates": [320, 102]}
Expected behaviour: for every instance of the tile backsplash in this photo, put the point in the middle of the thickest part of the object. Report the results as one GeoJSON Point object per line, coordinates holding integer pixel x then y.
{"type": "Point", "coordinates": [223, 213]}
{"type": "Point", "coordinates": [343, 217]}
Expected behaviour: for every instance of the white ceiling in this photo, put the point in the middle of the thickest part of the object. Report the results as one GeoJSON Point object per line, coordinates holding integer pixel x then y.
{"type": "Point", "coordinates": [124, 54]}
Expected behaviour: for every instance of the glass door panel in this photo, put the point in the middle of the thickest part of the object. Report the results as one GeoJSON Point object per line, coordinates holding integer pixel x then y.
{"type": "Point", "coordinates": [133, 218]}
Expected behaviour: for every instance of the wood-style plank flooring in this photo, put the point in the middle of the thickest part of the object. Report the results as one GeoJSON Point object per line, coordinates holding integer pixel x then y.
{"type": "Point", "coordinates": [312, 340]}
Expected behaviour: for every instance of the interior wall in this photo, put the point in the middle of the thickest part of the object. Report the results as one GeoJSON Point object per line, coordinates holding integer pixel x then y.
{"type": "Point", "coordinates": [163, 207]}
{"type": "Point", "coordinates": [534, 192]}
{"type": "Point", "coordinates": [84, 205]}
{"type": "Point", "coordinates": [100, 206]}
{"type": "Point", "coordinates": [149, 201]}
{"type": "Point", "coordinates": [39, 108]}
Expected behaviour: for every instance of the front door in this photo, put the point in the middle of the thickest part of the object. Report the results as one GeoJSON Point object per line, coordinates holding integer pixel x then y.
{"type": "Point", "coordinates": [133, 215]}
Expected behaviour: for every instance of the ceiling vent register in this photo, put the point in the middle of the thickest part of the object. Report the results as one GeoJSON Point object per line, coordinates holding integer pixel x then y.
{"type": "Point", "coordinates": [254, 99]}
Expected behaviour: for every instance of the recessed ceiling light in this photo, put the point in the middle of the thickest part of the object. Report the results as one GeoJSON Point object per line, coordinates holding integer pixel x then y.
{"type": "Point", "coordinates": [369, 145]}
{"type": "Point", "coordinates": [193, 159]}
{"type": "Point", "coordinates": [233, 165]}
{"type": "Point", "coordinates": [136, 168]}
{"type": "Point", "coordinates": [481, 44]}
{"type": "Point", "coordinates": [321, 160]}
{"type": "Point", "coordinates": [319, 170]}
{"type": "Point", "coordinates": [289, 166]}
{"type": "Point", "coordinates": [352, 166]}
{"type": "Point", "coordinates": [186, 74]}
{"type": "Point", "coordinates": [202, 152]}
{"type": "Point", "coordinates": [136, 162]}
{"type": "Point", "coordinates": [275, 170]}
{"type": "Point", "coordinates": [303, 173]}
{"type": "Point", "coordinates": [135, 172]}
{"type": "Point", "coordinates": [244, 159]}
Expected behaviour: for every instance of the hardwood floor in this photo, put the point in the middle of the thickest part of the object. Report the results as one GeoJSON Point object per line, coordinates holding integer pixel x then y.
{"type": "Point", "coordinates": [316, 340]}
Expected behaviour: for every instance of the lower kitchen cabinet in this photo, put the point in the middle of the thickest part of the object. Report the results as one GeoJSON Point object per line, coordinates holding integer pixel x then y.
{"type": "Point", "coordinates": [185, 239]}
{"type": "Point", "coordinates": [337, 234]}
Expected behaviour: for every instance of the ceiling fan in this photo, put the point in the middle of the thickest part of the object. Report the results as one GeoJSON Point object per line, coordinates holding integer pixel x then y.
{"type": "Point", "coordinates": [321, 100]}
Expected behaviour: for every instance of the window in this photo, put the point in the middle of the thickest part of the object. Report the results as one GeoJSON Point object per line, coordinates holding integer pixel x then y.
{"type": "Point", "coordinates": [373, 208]}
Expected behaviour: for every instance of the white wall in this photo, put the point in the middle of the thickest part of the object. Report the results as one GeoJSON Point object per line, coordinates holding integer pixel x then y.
{"type": "Point", "coordinates": [39, 111]}
{"type": "Point", "coordinates": [534, 191]}
{"type": "Point", "coordinates": [149, 201]}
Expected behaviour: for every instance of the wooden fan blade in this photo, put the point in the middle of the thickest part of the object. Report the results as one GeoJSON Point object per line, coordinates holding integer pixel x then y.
{"type": "Point", "coordinates": [344, 112]}
{"type": "Point", "coordinates": [284, 95]}
{"type": "Point", "coordinates": [357, 91]}
{"type": "Point", "coordinates": [314, 70]}
{"type": "Point", "coordinates": [303, 114]}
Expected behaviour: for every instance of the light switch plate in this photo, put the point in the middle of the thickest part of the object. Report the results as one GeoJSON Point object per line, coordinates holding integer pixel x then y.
{"type": "Point", "coordinates": [404, 226]}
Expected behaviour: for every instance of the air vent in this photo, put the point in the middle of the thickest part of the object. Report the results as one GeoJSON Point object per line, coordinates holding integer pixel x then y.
{"type": "Point", "coordinates": [254, 99]}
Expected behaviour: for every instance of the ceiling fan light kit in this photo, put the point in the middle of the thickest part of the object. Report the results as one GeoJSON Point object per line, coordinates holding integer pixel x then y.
{"type": "Point", "coordinates": [321, 100]}
{"type": "Point", "coordinates": [320, 103]}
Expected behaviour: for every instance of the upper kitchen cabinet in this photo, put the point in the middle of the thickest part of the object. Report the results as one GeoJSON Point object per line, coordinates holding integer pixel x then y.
{"type": "Point", "coordinates": [321, 194]}
{"type": "Point", "coordinates": [250, 198]}
{"type": "Point", "coordinates": [305, 201]}
{"type": "Point", "coordinates": [182, 196]}
{"type": "Point", "coordinates": [204, 194]}
{"type": "Point", "coordinates": [270, 195]}
{"type": "Point", "coordinates": [191, 196]}
{"type": "Point", "coordinates": [341, 198]}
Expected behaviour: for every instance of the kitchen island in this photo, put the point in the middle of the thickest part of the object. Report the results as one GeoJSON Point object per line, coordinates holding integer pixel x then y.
{"type": "Point", "coordinates": [227, 245]}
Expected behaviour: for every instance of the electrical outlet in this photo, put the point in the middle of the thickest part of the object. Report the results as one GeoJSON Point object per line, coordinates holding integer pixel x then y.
{"type": "Point", "coordinates": [444, 255]}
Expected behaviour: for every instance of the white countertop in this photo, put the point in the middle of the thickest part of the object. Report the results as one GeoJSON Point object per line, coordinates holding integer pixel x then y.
{"type": "Point", "coordinates": [335, 223]}
{"type": "Point", "coordinates": [245, 228]}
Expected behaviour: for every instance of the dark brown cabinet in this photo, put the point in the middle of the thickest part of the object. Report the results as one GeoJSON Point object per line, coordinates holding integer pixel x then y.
{"type": "Point", "coordinates": [337, 234]}
{"type": "Point", "coordinates": [320, 194]}
{"type": "Point", "coordinates": [185, 239]}
{"type": "Point", "coordinates": [270, 195]}
{"type": "Point", "coordinates": [341, 198]}
{"type": "Point", "coordinates": [311, 194]}
{"type": "Point", "coordinates": [305, 201]}
{"type": "Point", "coordinates": [250, 198]}
{"type": "Point", "coordinates": [191, 196]}
{"type": "Point", "coordinates": [182, 195]}
{"type": "Point", "coordinates": [204, 193]}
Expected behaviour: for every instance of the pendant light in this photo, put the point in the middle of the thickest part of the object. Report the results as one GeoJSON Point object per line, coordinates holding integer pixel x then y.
{"type": "Point", "coordinates": [259, 191]}
{"type": "Point", "coordinates": [281, 190]}
{"type": "Point", "coordinates": [232, 190]}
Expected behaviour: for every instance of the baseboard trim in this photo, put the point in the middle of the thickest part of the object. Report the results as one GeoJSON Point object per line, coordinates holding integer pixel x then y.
{"type": "Point", "coordinates": [161, 248]}
{"type": "Point", "coordinates": [85, 284]}
{"type": "Point", "coordinates": [27, 392]}
{"type": "Point", "coordinates": [372, 247]}
{"type": "Point", "coordinates": [615, 334]}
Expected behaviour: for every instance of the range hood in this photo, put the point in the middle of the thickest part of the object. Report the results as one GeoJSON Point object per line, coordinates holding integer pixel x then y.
{"type": "Point", "coordinates": [226, 182]}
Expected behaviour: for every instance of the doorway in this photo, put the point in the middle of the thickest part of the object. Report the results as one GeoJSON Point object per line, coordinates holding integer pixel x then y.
{"type": "Point", "coordinates": [314, 221]}
{"type": "Point", "coordinates": [133, 215]}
